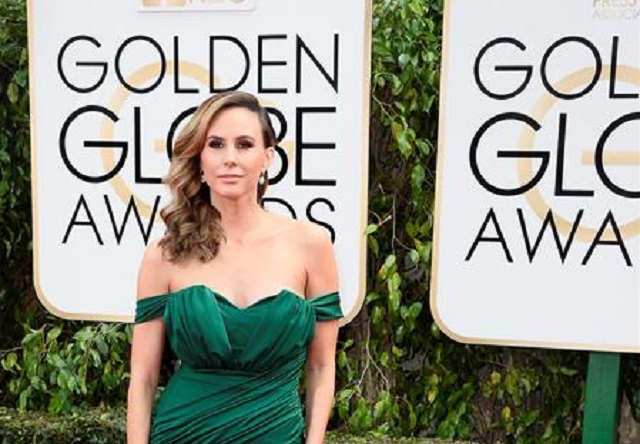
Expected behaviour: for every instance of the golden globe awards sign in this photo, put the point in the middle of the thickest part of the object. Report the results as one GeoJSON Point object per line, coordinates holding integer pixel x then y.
{"type": "Point", "coordinates": [112, 84]}
{"type": "Point", "coordinates": [537, 238]}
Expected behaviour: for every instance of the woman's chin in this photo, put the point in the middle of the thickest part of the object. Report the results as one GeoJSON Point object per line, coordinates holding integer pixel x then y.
{"type": "Point", "coordinates": [227, 193]}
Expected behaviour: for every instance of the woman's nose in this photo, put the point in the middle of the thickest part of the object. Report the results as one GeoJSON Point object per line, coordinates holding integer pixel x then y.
{"type": "Point", "coordinates": [230, 156]}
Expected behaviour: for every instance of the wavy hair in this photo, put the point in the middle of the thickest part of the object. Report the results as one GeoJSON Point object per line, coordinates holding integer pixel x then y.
{"type": "Point", "coordinates": [193, 228]}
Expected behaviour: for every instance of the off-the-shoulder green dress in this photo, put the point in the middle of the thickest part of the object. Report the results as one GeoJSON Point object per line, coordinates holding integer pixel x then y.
{"type": "Point", "coordinates": [240, 367]}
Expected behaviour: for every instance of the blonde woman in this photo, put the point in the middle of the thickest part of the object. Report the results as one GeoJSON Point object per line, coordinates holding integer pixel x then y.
{"type": "Point", "coordinates": [244, 298]}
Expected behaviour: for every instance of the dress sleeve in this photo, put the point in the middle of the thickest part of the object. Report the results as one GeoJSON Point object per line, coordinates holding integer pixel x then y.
{"type": "Point", "coordinates": [327, 307]}
{"type": "Point", "coordinates": [150, 308]}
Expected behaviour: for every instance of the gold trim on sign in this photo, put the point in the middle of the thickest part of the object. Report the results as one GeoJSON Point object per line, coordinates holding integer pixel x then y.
{"type": "Point", "coordinates": [361, 286]}
{"type": "Point", "coordinates": [624, 74]}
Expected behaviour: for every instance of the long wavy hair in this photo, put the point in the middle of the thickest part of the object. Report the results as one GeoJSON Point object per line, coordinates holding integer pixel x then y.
{"type": "Point", "coordinates": [193, 223]}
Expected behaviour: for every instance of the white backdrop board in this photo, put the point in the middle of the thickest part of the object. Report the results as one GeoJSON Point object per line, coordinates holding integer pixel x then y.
{"type": "Point", "coordinates": [112, 83]}
{"type": "Point", "coordinates": [538, 195]}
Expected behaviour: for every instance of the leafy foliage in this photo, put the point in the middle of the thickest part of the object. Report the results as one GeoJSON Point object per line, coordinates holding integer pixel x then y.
{"type": "Point", "coordinates": [107, 426]}
{"type": "Point", "coordinates": [57, 373]}
{"type": "Point", "coordinates": [91, 426]}
{"type": "Point", "coordinates": [15, 214]}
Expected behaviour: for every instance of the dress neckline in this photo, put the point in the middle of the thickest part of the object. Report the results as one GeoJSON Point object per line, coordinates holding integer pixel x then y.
{"type": "Point", "coordinates": [230, 303]}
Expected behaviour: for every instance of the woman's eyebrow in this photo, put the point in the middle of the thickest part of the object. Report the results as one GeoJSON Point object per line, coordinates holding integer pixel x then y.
{"type": "Point", "coordinates": [240, 137]}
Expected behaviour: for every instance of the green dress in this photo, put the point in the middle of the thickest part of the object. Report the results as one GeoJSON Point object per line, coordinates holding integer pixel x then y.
{"type": "Point", "coordinates": [240, 367]}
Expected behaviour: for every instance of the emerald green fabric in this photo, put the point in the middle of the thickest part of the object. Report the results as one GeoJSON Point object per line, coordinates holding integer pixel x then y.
{"type": "Point", "coordinates": [240, 367]}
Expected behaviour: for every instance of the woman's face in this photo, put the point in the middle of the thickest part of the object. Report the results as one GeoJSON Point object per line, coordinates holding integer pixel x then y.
{"type": "Point", "coordinates": [234, 155]}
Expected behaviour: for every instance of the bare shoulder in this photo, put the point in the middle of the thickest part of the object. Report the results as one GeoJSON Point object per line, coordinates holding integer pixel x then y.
{"type": "Point", "coordinates": [319, 258]}
{"type": "Point", "coordinates": [154, 272]}
{"type": "Point", "coordinates": [153, 255]}
{"type": "Point", "coordinates": [311, 236]}
{"type": "Point", "coordinates": [308, 241]}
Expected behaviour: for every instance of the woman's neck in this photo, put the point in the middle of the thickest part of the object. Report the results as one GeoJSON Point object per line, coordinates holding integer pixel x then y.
{"type": "Point", "coordinates": [238, 217]}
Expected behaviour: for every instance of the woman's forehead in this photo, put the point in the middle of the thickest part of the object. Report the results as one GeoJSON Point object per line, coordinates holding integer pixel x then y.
{"type": "Point", "coordinates": [235, 120]}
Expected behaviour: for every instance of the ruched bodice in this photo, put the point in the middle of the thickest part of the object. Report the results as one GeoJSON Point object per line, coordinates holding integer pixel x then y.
{"type": "Point", "coordinates": [240, 366]}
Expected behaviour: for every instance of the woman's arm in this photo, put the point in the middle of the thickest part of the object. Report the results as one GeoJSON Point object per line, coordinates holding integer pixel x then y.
{"type": "Point", "coordinates": [321, 372]}
{"type": "Point", "coordinates": [146, 350]}
{"type": "Point", "coordinates": [322, 278]}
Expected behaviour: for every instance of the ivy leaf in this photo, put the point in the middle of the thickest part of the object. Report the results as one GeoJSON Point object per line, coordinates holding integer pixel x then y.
{"type": "Point", "coordinates": [10, 361]}
{"type": "Point", "coordinates": [415, 309]}
{"type": "Point", "coordinates": [53, 334]}
{"type": "Point", "coordinates": [432, 394]}
{"type": "Point", "coordinates": [403, 60]}
{"type": "Point", "coordinates": [102, 345]}
{"type": "Point", "coordinates": [568, 371]}
{"type": "Point", "coordinates": [390, 261]}
{"type": "Point", "coordinates": [417, 176]}
{"type": "Point", "coordinates": [371, 228]}
{"type": "Point", "coordinates": [372, 297]}
{"type": "Point", "coordinates": [12, 92]}
{"type": "Point", "coordinates": [394, 301]}
{"type": "Point", "coordinates": [373, 246]}
{"type": "Point", "coordinates": [404, 145]}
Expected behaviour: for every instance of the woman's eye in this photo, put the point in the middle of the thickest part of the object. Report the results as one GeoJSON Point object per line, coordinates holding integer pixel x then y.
{"type": "Point", "coordinates": [215, 143]}
{"type": "Point", "coordinates": [245, 144]}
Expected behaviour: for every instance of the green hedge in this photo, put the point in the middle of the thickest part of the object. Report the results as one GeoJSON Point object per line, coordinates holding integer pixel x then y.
{"type": "Point", "coordinates": [16, 288]}
{"type": "Point", "coordinates": [96, 426]}
{"type": "Point", "coordinates": [100, 426]}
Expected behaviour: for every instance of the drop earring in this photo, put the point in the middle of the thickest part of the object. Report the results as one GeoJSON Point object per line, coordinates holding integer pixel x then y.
{"type": "Point", "coordinates": [202, 178]}
{"type": "Point", "coordinates": [263, 178]}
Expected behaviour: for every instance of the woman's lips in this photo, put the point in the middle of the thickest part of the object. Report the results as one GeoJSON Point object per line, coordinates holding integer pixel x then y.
{"type": "Point", "coordinates": [229, 177]}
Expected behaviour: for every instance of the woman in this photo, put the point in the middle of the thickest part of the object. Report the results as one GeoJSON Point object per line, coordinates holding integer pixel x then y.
{"type": "Point", "coordinates": [243, 296]}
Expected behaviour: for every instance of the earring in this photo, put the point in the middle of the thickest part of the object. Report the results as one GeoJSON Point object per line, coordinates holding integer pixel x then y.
{"type": "Point", "coordinates": [263, 178]}
{"type": "Point", "coordinates": [202, 178]}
